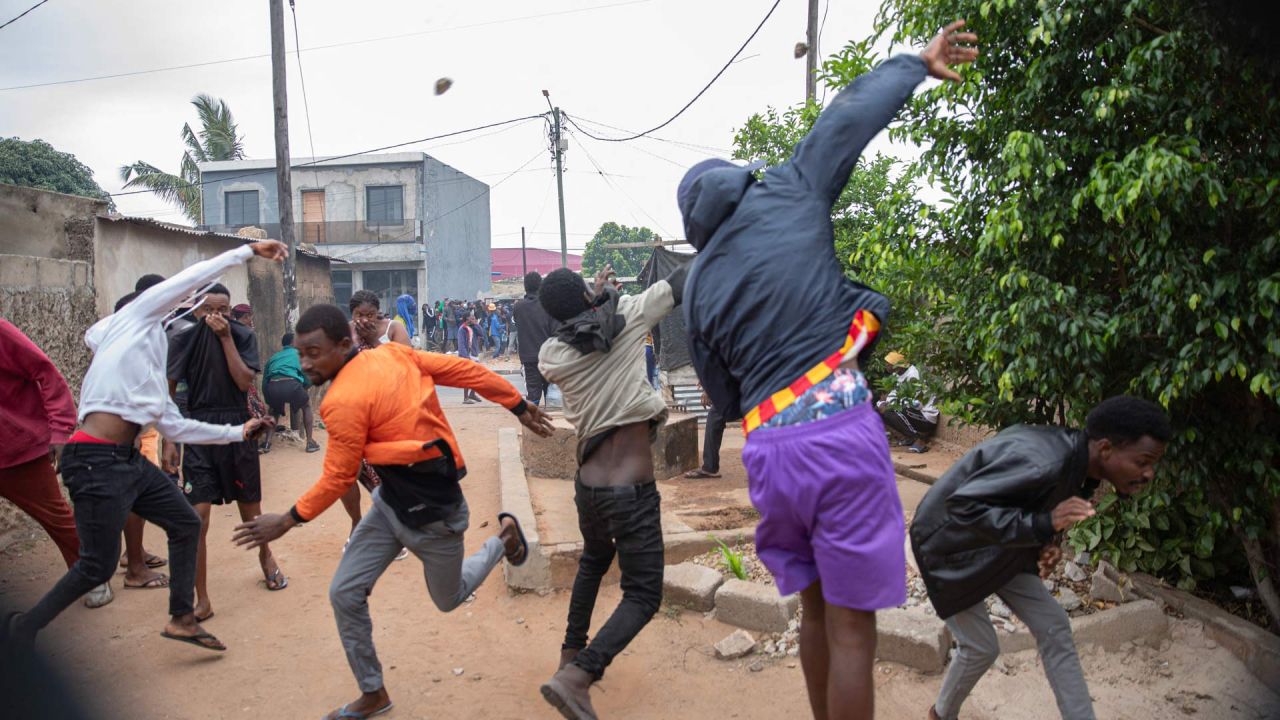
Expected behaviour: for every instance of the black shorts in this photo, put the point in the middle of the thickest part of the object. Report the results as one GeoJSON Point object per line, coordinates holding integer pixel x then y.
{"type": "Point", "coordinates": [220, 474]}
{"type": "Point", "coordinates": [280, 391]}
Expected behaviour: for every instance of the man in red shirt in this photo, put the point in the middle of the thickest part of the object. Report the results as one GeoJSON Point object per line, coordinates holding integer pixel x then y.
{"type": "Point", "coordinates": [35, 420]}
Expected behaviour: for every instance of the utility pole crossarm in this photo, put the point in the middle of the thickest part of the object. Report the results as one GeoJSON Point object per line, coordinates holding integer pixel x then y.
{"type": "Point", "coordinates": [654, 244]}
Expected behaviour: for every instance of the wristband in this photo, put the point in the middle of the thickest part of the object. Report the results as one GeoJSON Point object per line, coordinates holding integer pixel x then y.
{"type": "Point", "coordinates": [293, 513]}
{"type": "Point", "coordinates": [520, 409]}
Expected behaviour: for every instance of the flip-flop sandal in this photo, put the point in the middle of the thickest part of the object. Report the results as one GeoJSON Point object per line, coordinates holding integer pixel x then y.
{"type": "Point", "coordinates": [345, 714]}
{"type": "Point", "coordinates": [278, 578]}
{"type": "Point", "coordinates": [159, 581]}
{"type": "Point", "coordinates": [524, 544]}
{"type": "Point", "coordinates": [152, 561]}
{"type": "Point", "coordinates": [195, 640]}
{"type": "Point", "coordinates": [700, 474]}
{"type": "Point", "coordinates": [206, 618]}
{"type": "Point", "coordinates": [917, 450]}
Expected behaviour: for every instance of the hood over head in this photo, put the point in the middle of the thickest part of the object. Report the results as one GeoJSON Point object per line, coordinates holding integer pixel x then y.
{"type": "Point", "coordinates": [709, 193]}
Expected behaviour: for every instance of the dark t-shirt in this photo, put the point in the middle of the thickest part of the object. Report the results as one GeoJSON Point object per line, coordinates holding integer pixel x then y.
{"type": "Point", "coordinates": [196, 356]}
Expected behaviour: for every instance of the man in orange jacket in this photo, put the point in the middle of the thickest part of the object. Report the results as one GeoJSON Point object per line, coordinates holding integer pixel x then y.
{"type": "Point", "coordinates": [382, 405]}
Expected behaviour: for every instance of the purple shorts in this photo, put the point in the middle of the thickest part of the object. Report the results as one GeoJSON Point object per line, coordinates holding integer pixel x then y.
{"type": "Point", "coordinates": [829, 509]}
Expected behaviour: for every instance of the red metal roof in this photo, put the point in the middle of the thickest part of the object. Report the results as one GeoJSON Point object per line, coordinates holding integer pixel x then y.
{"type": "Point", "coordinates": [507, 262]}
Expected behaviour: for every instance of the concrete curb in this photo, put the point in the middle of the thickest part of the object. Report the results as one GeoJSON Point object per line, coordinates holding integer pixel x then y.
{"type": "Point", "coordinates": [1140, 621]}
{"type": "Point", "coordinates": [913, 473]}
{"type": "Point", "coordinates": [1256, 648]}
{"type": "Point", "coordinates": [535, 573]}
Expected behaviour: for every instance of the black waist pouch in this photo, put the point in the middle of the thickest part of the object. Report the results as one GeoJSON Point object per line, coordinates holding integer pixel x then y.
{"type": "Point", "coordinates": [424, 492]}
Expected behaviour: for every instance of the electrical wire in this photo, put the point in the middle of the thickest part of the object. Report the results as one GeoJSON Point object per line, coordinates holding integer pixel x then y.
{"type": "Point", "coordinates": [622, 192]}
{"type": "Point", "coordinates": [24, 12]}
{"type": "Point", "coordinates": [705, 88]}
{"type": "Point", "coordinates": [370, 151]}
{"type": "Point", "coordinates": [330, 46]}
{"type": "Point", "coordinates": [679, 143]}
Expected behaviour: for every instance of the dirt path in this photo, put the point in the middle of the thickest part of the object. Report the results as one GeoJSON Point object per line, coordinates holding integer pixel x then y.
{"type": "Point", "coordinates": [285, 660]}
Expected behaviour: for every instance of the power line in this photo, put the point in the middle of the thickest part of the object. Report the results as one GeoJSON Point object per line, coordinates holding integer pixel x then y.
{"type": "Point", "coordinates": [370, 151]}
{"type": "Point", "coordinates": [24, 12]}
{"type": "Point", "coordinates": [700, 92]}
{"type": "Point", "coordinates": [679, 143]}
{"type": "Point", "coordinates": [330, 46]}
{"type": "Point", "coordinates": [619, 190]}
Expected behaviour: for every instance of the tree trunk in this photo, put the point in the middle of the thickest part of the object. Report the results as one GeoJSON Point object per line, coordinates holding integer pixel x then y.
{"type": "Point", "coordinates": [1263, 578]}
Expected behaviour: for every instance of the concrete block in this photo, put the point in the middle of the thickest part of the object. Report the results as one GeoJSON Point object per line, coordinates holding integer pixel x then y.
{"type": "Point", "coordinates": [18, 271]}
{"type": "Point", "coordinates": [1141, 621]}
{"type": "Point", "coordinates": [54, 273]}
{"type": "Point", "coordinates": [692, 586]}
{"type": "Point", "coordinates": [535, 573]}
{"type": "Point", "coordinates": [674, 450]}
{"type": "Point", "coordinates": [912, 637]}
{"type": "Point", "coordinates": [754, 606]}
{"type": "Point", "coordinates": [737, 645]}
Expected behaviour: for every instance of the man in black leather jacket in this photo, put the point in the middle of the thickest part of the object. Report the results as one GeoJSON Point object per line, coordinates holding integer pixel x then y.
{"type": "Point", "coordinates": [995, 516]}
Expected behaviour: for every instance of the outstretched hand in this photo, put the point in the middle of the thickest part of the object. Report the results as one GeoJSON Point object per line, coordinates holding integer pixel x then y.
{"type": "Point", "coordinates": [261, 530]}
{"type": "Point", "coordinates": [270, 249]}
{"type": "Point", "coordinates": [945, 50]}
{"type": "Point", "coordinates": [536, 420]}
{"type": "Point", "coordinates": [602, 278]}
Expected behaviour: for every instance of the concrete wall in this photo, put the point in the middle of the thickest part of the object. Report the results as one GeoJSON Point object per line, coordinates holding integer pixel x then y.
{"type": "Point", "coordinates": [127, 251]}
{"type": "Point", "coordinates": [266, 295]}
{"type": "Point", "coordinates": [457, 233]}
{"type": "Point", "coordinates": [40, 223]}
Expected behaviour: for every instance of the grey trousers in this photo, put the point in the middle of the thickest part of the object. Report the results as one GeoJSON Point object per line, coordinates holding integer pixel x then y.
{"type": "Point", "coordinates": [978, 648]}
{"type": "Point", "coordinates": [374, 545]}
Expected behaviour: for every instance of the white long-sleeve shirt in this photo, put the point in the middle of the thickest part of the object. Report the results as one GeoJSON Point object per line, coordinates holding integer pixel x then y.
{"type": "Point", "coordinates": [127, 375]}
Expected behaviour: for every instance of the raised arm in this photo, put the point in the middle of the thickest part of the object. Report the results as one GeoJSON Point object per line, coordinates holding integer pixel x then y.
{"type": "Point", "coordinates": [826, 156]}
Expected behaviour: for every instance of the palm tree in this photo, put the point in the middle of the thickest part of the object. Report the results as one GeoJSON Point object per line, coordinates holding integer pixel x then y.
{"type": "Point", "coordinates": [218, 139]}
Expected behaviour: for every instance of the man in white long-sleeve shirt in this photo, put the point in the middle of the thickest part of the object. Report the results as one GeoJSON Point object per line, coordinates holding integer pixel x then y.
{"type": "Point", "coordinates": [124, 391]}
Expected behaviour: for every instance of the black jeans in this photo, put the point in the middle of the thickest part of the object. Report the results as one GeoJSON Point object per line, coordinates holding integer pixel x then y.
{"type": "Point", "coordinates": [909, 423]}
{"type": "Point", "coordinates": [711, 442]}
{"type": "Point", "coordinates": [106, 482]}
{"type": "Point", "coordinates": [534, 384]}
{"type": "Point", "coordinates": [623, 521]}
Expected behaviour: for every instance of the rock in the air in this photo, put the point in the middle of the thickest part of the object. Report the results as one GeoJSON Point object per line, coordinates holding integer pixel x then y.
{"type": "Point", "coordinates": [736, 645]}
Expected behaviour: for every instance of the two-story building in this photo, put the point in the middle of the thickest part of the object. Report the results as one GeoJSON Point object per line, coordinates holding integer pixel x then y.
{"type": "Point", "coordinates": [405, 223]}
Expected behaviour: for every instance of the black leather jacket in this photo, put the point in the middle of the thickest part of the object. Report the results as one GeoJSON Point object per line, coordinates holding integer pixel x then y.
{"type": "Point", "coordinates": [987, 518]}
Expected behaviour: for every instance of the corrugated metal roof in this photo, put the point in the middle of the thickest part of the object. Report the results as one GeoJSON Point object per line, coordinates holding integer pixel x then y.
{"type": "Point", "coordinates": [187, 230]}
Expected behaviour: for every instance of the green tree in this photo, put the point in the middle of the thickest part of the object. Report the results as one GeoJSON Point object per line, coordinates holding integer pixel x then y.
{"type": "Point", "coordinates": [218, 139]}
{"type": "Point", "coordinates": [628, 262]}
{"type": "Point", "coordinates": [37, 164]}
{"type": "Point", "coordinates": [1114, 170]}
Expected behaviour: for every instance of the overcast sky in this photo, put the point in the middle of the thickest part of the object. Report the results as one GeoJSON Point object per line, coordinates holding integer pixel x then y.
{"type": "Point", "coordinates": [629, 64]}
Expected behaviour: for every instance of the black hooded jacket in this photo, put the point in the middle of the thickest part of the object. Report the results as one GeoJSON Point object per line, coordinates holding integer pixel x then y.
{"type": "Point", "coordinates": [987, 518]}
{"type": "Point", "coordinates": [766, 299]}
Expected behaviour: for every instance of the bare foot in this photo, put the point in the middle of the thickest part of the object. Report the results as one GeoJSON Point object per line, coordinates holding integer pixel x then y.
{"type": "Point", "coordinates": [367, 705]}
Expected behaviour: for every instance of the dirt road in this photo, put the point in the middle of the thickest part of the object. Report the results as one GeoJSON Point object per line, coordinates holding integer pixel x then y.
{"type": "Point", "coordinates": [285, 660]}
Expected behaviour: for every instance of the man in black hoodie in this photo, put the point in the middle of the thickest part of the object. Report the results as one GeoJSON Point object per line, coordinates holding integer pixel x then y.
{"type": "Point", "coordinates": [534, 326]}
{"type": "Point", "coordinates": [996, 516]}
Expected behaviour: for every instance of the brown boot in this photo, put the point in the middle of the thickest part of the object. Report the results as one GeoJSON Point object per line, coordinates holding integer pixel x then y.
{"type": "Point", "coordinates": [567, 691]}
{"type": "Point", "coordinates": [567, 656]}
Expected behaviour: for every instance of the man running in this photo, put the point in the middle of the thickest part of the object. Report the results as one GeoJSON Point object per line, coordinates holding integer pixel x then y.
{"type": "Point", "coordinates": [596, 359]}
{"type": "Point", "coordinates": [123, 391]}
{"type": "Point", "coordinates": [218, 358]}
{"type": "Point", "coordinates": [999, 512]}
{"type": "Point", "coordinates": [383, 405]}
{"type": "Point", "coordinates": [39, 415]}
{"type": "Point", "coordinates": [818, 467]}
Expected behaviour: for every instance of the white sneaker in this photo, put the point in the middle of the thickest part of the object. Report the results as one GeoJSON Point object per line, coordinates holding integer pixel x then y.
{"type": "Point", "coordinates": [404, 553]}
{"type": "Point", "coordinates": [99, 596]}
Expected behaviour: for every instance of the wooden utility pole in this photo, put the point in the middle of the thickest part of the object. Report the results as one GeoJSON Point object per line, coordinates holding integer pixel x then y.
{"type": "Point", "coordinates": [811, 60]}
{"type": "Point", "coordinates": [524, 258]}
{"type": "Point", "coordinates": [284, 187]}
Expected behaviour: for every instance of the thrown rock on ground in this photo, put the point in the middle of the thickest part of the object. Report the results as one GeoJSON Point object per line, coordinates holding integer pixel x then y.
{"type": "Point", "coordinates": [736, 645]}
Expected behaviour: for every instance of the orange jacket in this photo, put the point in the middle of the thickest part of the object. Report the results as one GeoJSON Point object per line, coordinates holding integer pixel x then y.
{"type": "Point", "coordinates": [383, 407]}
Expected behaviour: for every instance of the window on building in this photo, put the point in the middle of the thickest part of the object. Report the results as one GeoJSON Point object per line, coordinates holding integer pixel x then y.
{"type": "Point", "coordinates": [242, 207]}
{"type": "Point", "coordinates": [342, 290]}
{"type": "Point", "coordinates": [389, 285]}
{"type": "Point", "coordinates": [384, 205]}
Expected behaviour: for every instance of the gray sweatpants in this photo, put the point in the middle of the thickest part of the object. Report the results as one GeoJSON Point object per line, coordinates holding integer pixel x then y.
{"type": "Point", "coordinates": [374, 545]}
{"type": "Point", "coordinates": [978, 648]}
